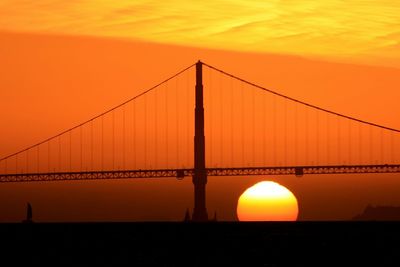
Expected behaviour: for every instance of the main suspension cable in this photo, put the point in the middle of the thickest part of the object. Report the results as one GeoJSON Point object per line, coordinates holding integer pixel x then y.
{"type": "Point", "coordinates": [100, 115]}
{"type": "Point", "coordinates": [301, 102]}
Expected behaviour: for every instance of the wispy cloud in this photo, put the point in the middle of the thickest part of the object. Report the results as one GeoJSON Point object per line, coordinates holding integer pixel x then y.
{"type": "Point", "coordinates": [330, 28]}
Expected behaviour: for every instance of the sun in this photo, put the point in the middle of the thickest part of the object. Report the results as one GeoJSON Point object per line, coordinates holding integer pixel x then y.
{"type": "Point", "coordinates": [267, 201]}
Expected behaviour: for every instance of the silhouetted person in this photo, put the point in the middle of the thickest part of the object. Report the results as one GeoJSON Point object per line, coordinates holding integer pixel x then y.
{"type": "Point", "coordinates": [215, 217]}
{"type": "Point", "coordinates": [28, 214]}
{"type": "Point", "coordinates": [187, 216]}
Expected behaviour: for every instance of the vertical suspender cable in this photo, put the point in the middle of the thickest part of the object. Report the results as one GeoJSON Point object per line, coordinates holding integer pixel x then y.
{"type": "Point", "coordinates": [338, 140]}
{"type": "Point", "coordinates": [274, 131]}
{"type": "Point", "coordinates": [113, 140]}
{"type": "Point", "coordinates": [81, 143]}
{"type": "Point", "coordinates": [102, 143]}
{"type": "Point", "coordinates": [285, 132]}
{"type": "Point", "coordinates": [349, 137]}
{"type": "Point", "coordinates": [134, 149]}
{"type": "Point", "coordinates": [166, 127]}
{"type": "Point", "coordinates": [253, 146]}
{"type": "Point", "coordinates": [210, 111]}
{"type": "Point", "coordinates": [317, 137]}
{"type": "Point", "coordinates": [307, 142]}
{"type": "Point", "coordinates": [221, 125]}
{"type": "Point", "coordinates": [370, 144]}
{"type": "Point", "coordinates": [156, 130]}
{"type": "Point", "coordinates": [392, 148]}
{"type": "Point", "coordinates": [360, 144]}
{"type": "Point", "coordinates": [231, 119]}
{"type": "Point", "coordinates": [381, 142]}
{"type": "Point", "coordinates": [91, 145]}
{"type": "Point", "coordinates": [37, 159]}
{"type": "Point", "coordinates": [48, 157]}
{"type": "Point", "coordinates": [177, 120]}
{"type": "Point", "coordinates": [155, 108]}
{"type": "Point", "coordinates": [59, 153]}
{"type": "Point", "coordinates": [327, 139]}
{"type": "Point", "coordinates": [263, 135]}
{"type": "Point", "coordinates": [123, 138]}
{"type": "Point", "coordinates": [296, 134]}
{"type": "Point", "coordinates": [242, 120]}
{"type": "Point", "coordinates": [27, 161]}
{"type": "Point", "coordinates": [188, 109]}
{"type": "Point", "coordinates": [70, 151]}
{"type": "Point", "coordinates": [145, 131]}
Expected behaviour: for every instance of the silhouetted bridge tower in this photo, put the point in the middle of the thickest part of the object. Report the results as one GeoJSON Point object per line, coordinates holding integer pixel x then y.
{"type": "Point", "coordinates": [200, 174]}
{"type": "Point", "coordinates": [254, 125]}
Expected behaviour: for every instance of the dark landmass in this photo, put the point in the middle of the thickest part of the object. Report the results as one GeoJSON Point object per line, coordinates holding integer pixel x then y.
{"type": "Point", "coordinates": [379, 213]}
{"type": "Point", "coordinates": [201, 244]}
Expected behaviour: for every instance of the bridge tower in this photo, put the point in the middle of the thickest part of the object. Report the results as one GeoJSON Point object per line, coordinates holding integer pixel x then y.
{"type": "Point", "coordinates": [200, 174]}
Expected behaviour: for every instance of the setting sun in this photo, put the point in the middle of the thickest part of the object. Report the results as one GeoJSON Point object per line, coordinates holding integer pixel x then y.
{"type": "Point", "coordinates": [267, 201]}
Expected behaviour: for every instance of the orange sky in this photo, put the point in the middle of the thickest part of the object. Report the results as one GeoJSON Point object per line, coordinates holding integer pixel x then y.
{"type": "Point", "coordinates": [352, 31]}
{"type": "Point", "coordinates": [52, 78]}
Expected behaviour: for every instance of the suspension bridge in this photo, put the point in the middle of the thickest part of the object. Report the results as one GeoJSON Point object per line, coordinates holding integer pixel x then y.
{"type": "Point", "coordinates": [240, 129]}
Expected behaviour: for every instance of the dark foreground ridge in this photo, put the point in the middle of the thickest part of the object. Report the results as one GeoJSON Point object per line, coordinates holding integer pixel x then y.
{"type": "Point", "coordinates": [202, 244]}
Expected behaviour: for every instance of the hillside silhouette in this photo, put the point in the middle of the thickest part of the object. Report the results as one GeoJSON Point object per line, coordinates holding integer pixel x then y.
{"type": "Point", "coordinates": [379, 213]}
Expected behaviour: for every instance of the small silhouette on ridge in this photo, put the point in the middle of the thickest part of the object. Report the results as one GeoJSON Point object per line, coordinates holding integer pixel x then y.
{"type": "Point", "coordinates": [379, 213]}
{"type": "Point", "coordinates": [187, 216]}
{"type": "Point", "coordinates": [28, 214]}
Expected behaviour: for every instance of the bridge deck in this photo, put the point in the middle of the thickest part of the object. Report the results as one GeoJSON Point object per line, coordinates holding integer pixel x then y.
{"type": "Point", "coordinates": [181, 173]}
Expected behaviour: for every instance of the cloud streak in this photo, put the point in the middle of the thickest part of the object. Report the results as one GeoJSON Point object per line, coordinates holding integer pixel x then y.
{"type": "Point", "coordinates": [353, 29]}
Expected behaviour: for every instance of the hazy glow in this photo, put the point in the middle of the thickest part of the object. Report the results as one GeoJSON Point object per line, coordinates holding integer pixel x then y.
{"type": "Point", "coordinates": [355, 30]}
{"type": "Point", "coordinates": [267, 201]}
